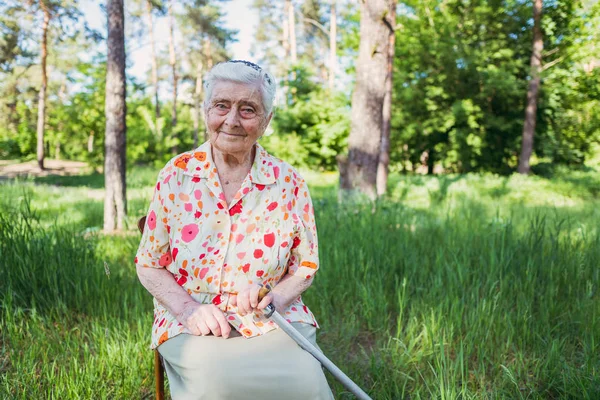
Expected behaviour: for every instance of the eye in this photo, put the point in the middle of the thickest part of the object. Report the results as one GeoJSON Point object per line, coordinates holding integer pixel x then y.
{"type": "Point", "coordinates": [248, 111]}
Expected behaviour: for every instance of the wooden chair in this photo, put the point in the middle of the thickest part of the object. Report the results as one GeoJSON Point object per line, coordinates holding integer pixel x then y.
{"type": "Point", "coordinates": [159, 369]}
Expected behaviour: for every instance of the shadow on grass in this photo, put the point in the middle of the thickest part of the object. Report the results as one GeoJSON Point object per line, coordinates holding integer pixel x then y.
{"type": "Point", "coordinates": [94, 180]}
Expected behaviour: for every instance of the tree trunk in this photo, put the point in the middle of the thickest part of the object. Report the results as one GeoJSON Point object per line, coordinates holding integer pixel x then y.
{"type": "Point", "coordinates": [367, 100]}
{"type": "Point", "coordinates": [292, 28]}
{"type": "Point", "coordinates": [332, 45]}
{"type": "Point", "coordinates": [173, 63]}
{"type": "Point", "coordinates": [384, 151]}
{"type": "Point", "coordinates": [532, 92]}
{"type": "Point", "coordinates": [209, 64]}
{"type": "Point", "coordinates": [115, 205]}
{"type": "Point", "coordinates": [41, 122]}
{"type": "Point", "coordinates": [154, 61]}
{"type": "Point", "coordinates": [197, 102]}
{"type": "Point", "coordinates": [286, 49]}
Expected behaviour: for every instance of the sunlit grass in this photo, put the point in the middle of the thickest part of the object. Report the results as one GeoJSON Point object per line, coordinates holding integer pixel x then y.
{"type": "Point", "coordinates": [475, 286]}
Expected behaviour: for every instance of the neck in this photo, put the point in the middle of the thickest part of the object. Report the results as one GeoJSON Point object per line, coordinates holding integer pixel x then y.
{"type": "Point", "coordinates": [233, 161]}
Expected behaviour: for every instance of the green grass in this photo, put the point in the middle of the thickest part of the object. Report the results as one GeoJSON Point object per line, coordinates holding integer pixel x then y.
{"type": "Point", "coordinates": [455, 287]}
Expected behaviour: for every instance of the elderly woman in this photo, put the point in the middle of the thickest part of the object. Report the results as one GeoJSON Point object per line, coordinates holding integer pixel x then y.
{"type": "Point", "coordinates": [226, 219]}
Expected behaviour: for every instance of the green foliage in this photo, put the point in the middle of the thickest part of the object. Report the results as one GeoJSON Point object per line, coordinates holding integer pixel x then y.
{"type": "Point", "coordinates": [312, 131]}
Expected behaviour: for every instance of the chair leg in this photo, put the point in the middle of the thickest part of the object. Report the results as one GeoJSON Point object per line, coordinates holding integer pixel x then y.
{"type": "Point", "coordinates": [159, 376]}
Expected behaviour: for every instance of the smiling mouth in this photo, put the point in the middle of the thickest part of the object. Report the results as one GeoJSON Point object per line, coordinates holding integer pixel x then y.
{"type": "Point", "coordinates": [232, 134]}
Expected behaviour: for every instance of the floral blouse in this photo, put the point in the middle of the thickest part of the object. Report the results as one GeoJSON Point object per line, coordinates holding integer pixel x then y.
{"type": "Point", "coordinates": [214, 250]}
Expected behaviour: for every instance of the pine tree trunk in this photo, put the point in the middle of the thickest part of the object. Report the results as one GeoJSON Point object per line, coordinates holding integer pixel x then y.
{"type": "Point", "coordinates": [154, 61]}
{"type": "Point", "coordinates": [532, 92]}
{"type": "Point", "coordinates": [332, 45]}
{"type": "Point", "coordinates": [173, 63]}
{"type": "Point", "coordinates": [367, 100]}
{"type": "Point", "coordinates": [115, 205]}
{"type": "Point", "coordinates": [384, 152]}
{"type": "Point", "coordinates": [41, 122]}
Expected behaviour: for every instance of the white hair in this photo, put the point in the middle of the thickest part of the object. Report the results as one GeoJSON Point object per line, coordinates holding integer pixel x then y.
{"type": "Point", "coordinates": [242, 72]}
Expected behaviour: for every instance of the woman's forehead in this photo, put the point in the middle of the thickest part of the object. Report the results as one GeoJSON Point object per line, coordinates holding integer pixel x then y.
{"type": "Point", "coordinates": [236, 92]}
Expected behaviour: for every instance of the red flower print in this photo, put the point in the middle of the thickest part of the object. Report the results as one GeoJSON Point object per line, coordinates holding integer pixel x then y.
{"type": "Point", "coordinates": [188, 207]}
{"type": "Point", "coordinates": [183, 272]}
{"type": "Point", "coordinates": [269, 239]}
{"type": "Point", "coordinates": [260, 273]}
{"type": "Point", "coordinates": [236, 209]}
{"type": "Point", "coordinates": [272, 206]}
{"type": "Point", "coordinates": [296, 242]}
{"type": "Point", "coordinates": [165, 259]}
{"type": "Point", "coordinates": [135, 260]}
{"type": "Point", "coordinates": [296, 191]}
{"type": "Point", "coordinates": [174, 252]}
{"type": "Point", "coordinates": [168, 229]}
{"type": "Point", "coordinates": [217, 300]}
{"type": "Point", "coordinates": [305, 309]}
{"type": "Point", "coordinates": [157, 185]}
{"type": "Point", "coordinates": [182, 161]}
{"type": "Point", "coordinates": [151, 221]}
{"type": "Point", "coordinates": [189, 232]}
{"type": "Point", "coordinates": [196, 179]}
{"type": "Point", "coordinates": [246, 268]}
{"type": "Point", "coordinates": [197, 214]}
{"type": "Point", "coordinates": [276, 172]}
{"type": "Point", "coordinates": [182, 280]}
{"type": "Point", "coordinates": [258, 253]}
{"type": "Point", "coordinates": [260, 187]}
{"type": "Point", "coordinates": [220, 205]}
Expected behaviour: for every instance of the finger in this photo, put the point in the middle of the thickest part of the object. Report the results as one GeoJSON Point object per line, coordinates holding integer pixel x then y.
{"type": "Point", "coordinates": [204, 329]}
{"type": "Point", "coordinates": [243, 302]}
{"type": "Point", "coordinates": [214, 326]}
{"type": "Point", "coordinates": [268, 299]}
{"type": "Point", "coordinates": [254, 296]}
{"type": "Point", "coordinates": [233, 300]}
{"type": "Point", "coordinates": [225, 328]}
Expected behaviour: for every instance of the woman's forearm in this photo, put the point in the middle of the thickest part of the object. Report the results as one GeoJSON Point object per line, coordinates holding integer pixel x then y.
{"type": "Point", "coordinates": [288, 289]}
{"type": "Point", "coordinates": [162, 285]}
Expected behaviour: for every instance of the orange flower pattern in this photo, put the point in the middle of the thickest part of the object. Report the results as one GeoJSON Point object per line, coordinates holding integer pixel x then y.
{"type": "Point", "coordinates": [214, 250]}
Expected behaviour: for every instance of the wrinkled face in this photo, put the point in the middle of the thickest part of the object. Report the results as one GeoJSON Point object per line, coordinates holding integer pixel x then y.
{"type": "Point", "coordinates": [235, 118]}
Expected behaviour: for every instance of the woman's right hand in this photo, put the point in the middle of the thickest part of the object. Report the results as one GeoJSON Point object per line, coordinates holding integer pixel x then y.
{"type": "Point", "coordinates": [204, 319]}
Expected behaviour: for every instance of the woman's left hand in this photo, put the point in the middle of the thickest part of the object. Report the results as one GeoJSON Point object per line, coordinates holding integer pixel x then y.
{"type": "Point", "coordinates": [247, 300]}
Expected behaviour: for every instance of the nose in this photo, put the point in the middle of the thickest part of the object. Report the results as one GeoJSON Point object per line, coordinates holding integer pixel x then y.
{"type": "Point", "coordinates": [232, 117]}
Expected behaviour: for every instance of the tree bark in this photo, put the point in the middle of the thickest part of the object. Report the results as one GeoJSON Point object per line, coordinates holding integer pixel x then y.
{"type": "Point", "coordinates": [292, 28]}
{"type": "Point", "coordinates": [197, 102]}
{"type": "Point", "coordinates": [533, 90]}
{"type": "Point", "coordinates": [209, 64]}
{"type": "Point", "coordinates": [367, 100]}
{"type": "Point", "coordinates": [173, 62]}
{"type": "Point", "coordinates": [115, 204]}
{"type": "Point", "coordinates": [154, 61]}
{"type": "Point", "coordinates": [41, 122]}
{"type": "Point", "coordinates": [384, 150]}
{"type": "Point", "coordinates": [332, 45]}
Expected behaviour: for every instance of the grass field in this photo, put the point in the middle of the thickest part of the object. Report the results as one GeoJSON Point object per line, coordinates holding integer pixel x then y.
{"type": "Point", "coordinates": [455, 287]}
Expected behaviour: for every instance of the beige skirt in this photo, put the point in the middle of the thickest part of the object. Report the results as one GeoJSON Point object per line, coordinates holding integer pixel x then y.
{"type": "Point", "coordinates": [270, 366]}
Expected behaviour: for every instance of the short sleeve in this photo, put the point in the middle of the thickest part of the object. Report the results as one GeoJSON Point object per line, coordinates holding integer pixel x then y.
{"type": "Point", "coordinates": [154, 250]}
{"type": "Point", "coordinates": [304, 257]}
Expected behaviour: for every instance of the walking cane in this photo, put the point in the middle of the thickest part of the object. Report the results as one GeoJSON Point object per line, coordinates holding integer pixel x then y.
{"type": "Point", "coordinates": [270, 313]}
